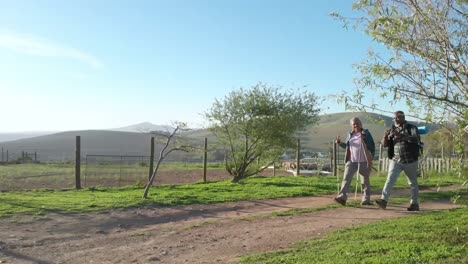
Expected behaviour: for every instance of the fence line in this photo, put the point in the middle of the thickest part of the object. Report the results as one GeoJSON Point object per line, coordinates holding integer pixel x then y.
{"type": "Point", "coordinates": [426, 164]}
{"type": "Point", "coordinates": [126, 164]}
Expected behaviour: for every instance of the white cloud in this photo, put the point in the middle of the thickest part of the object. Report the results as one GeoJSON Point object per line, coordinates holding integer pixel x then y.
{"type": "Point", "coordinates": [36, 47]}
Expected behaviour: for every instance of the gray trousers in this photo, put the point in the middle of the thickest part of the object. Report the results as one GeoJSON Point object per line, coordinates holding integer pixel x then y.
{"type": "Point", "coordinates": [350, 170]}
{"type": "Point", "coordinates": [394, 170]}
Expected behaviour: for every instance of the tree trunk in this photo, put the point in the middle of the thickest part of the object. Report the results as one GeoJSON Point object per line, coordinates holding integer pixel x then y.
{"type": "Point", "coordinates": [237, 178]}
{"type": "Point", "coordinates": [150, 182]}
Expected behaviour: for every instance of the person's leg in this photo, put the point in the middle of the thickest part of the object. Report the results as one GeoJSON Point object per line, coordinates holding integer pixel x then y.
{"type": "Point", "coordinates": [350, 169]}
{"type": "Point", "coordinates": [364, 172]}
{"type": "Point", "coordinates": [394, 170]}
{"type": "Point", "coordinates": [411, 171]}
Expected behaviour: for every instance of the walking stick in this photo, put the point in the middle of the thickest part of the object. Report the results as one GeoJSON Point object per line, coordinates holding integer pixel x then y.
{"type": "Point", "coordinates": [359, 166]}
{"type": "Point", "coordinates": [357, 172]}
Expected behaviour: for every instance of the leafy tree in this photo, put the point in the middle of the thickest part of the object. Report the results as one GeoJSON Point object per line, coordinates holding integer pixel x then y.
{"type": "Point", "coordinates": [427, 54]}
{"type": "Point", "coordinates": [255, 126]}
{"type": "Point", "coordinates": [425, 64]}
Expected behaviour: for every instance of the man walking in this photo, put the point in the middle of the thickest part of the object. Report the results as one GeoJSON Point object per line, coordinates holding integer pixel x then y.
{"type": "Point", "coordinates": [402, 141]}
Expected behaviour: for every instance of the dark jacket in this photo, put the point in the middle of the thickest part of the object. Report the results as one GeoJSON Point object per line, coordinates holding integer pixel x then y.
{"type": "Point", "coordinates": [409, 137]}
{"type": "Point", "coordinates": [368, 143]}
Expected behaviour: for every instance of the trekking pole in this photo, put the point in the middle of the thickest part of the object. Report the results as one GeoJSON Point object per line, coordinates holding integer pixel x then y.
{"type": "Point", "coordinates": [359, 167]}
{"type": "Point", "coordinates": [335, 156]}
{"type": "Point", "coordinates": [357, 172]}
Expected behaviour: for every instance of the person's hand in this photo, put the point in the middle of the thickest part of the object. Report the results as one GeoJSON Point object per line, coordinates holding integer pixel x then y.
{"type": "Point", "coordinates": [387, 133]}
{"type": "Point", "coordinates": [338, 140]}
{"type": "Point", "coordinates": [396, 136]}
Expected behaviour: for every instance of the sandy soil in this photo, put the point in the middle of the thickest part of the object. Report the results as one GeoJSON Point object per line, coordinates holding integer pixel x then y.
{"type": "Point", "coordinates": [218, 233]}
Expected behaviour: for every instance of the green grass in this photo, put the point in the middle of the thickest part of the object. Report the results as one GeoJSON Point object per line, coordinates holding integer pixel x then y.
{"type": "Point", "coordinates": [61, 175]}
{"type": "Point", "coordinates": [97, 199]}
{"type": "Point", "coordinates": [32, 169]}
{"type": "Point", "coordinates": [92, 199]}
{"type": "Point", "coordinates": [68, 168]}
{"type": "Point", "coordinates": [435, 237]}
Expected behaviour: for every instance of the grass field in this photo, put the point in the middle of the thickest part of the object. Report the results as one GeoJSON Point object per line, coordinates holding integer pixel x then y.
{"type": "Point", "coordinates": [62, 175]}
{"type": "Point", "coordinates": [104, 198]}
{"type": "Point", "coordinates": [435, 237]}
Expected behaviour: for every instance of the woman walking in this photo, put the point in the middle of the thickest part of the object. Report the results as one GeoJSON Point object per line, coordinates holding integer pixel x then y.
{"type": "Point", "coordinates": [360, 150]}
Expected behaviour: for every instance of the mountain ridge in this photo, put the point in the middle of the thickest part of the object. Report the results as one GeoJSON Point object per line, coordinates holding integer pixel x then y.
{"type": "Point", "coordinates": [61, 146]}
{"type": "Point", "coordinates": [143, 127]}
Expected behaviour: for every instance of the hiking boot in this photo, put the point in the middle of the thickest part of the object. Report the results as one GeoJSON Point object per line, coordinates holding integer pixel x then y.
{"type": "Point", "coordinates": [340, 201]}
{"type": "Point", "coordinates": [413, 207]}
{"type": "Point", "coordinates": [381, 203]}
{"type": "Point", "coordinates": [366, 203]}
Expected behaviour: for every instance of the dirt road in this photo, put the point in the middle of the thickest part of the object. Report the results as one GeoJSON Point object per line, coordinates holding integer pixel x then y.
{"type": "Point", "coordinates": [218, 233]}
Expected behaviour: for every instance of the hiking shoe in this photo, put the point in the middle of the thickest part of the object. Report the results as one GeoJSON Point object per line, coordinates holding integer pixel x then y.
{"type": "Point", "coordinates": [366, 203]}
{"type": "Point", "coordinates": [381, 203]}
{"type": "Point", "coordinates": [413, 207]}
{"type": "Point", "coordinates": [340, 201]}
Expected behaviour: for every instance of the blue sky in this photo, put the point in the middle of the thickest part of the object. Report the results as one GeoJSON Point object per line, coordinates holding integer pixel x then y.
{"type": "Point", "coordinates": [97, 64]}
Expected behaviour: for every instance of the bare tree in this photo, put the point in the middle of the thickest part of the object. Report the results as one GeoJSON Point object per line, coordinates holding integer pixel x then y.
{"type": "Point", "coordinates": [170, 143]}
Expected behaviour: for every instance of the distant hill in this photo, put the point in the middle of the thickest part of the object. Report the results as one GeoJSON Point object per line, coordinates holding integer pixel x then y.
{"type": "Point", "coordinates": [20, 135]}
{"type": "Point", "coordinates": [144, 127]}
{"type": "Point", "coordinates": [61, 146]}
{"type": "Point", "coordinates": [319, 137]}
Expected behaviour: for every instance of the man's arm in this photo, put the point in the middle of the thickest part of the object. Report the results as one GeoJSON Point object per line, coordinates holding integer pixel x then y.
{"type": "Point", "coordinates": [385, 140]}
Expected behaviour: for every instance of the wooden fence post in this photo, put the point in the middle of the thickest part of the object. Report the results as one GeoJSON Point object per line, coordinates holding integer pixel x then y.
{"type": "Point", "coordinates": [274, 168]}
{"type": "Point", "coordinates": [205, 158]}
{"type": "Point", "coordinates": [298, 157]}
{"type": "Point", "coordinates": [151, 161]}
{"type": "Point", "coordinates": [78, 163]}
{"type": "Point", "coordinates": [335, 160]}
{"type": "Point", "coordinates": [380, 157]}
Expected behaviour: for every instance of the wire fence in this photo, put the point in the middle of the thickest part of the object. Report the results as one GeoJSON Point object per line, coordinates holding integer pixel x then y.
{"type": "Point", "coordinates": [25, 170]}
{"type": "Point", "coordinates": [115, 170]}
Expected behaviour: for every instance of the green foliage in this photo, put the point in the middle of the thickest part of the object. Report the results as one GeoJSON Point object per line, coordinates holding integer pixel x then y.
{"type": "Point", "coordinates": [425, 62]}
{"type": "Point", "coordinates": [436, 237]}
{"type": "Point", "coordinates": [255, 126]}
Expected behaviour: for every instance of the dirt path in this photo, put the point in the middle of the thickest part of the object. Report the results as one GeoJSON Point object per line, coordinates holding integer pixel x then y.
{"type": "Point", "coordinates": [219, 233]}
